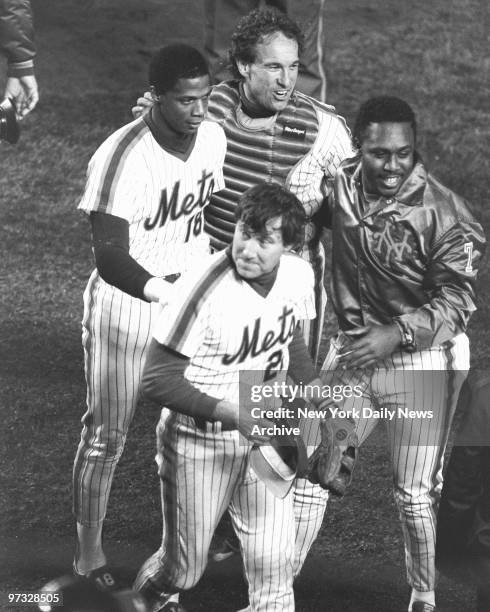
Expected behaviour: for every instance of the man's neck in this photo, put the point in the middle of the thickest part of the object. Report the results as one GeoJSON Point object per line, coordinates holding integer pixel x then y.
{"type": "Point", "coordinates": [263, 284]}
{"type": "Point", "coordinates": [251, 107]}
{"type": "Point", "coordinates": [167, 137]}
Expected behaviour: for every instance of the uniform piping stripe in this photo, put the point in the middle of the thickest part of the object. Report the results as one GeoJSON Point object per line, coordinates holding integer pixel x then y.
{"type": "Point", "coordinates": [180, 330]}
{"type": "Point", "coordinates": [112, 172]}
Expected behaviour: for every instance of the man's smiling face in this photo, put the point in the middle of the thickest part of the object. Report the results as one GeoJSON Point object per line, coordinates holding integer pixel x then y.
{"type": "Point", "coordinates": [387, 157]}
{"type": "Point", "coordinates": [269, 81]}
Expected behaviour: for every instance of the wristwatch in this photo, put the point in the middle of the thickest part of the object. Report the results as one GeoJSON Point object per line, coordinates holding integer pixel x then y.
{"type": "Point", "coordinates": [407, 341]}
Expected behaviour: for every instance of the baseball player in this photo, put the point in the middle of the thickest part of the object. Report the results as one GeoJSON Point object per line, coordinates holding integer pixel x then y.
{"type": "Point", "coordinates": [239, 312]}
{"type": "Point", "coordinates": [147, 186]}
{"type": "Point", "coordinates": [405, 256]}
{"type": "Point", "coordinates": [275, 133]}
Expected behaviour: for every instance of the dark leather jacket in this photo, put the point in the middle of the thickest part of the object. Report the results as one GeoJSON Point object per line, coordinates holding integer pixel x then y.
{"type": "Point", "coordinates": [413, 257]}
{"type": "Point", "coordinates": [17, 32]}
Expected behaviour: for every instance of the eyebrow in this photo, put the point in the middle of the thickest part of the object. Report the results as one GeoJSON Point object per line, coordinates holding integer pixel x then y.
{"type": "Point", "coordinates": [279, 63]}
{"type": "Point", "coordinates": [184, 95]}
{"type": "Point", "coordinates": [264, 233]}
{"type": "Point", "coordinates": [383, 149]}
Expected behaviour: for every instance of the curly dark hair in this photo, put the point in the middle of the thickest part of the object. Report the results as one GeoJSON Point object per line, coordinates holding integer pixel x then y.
{"type": "Point", "coordinates": [253, 28]}
{"type": "Point", "coordinates": [382, 109]}
{"type": "Point", "coordinates": [266, 201]}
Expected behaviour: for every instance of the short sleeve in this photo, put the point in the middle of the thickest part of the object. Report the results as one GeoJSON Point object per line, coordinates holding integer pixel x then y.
{"type": "Point", "coordinates": [182, 323]}
{"type": "Point", "coordinates": [113, 184]}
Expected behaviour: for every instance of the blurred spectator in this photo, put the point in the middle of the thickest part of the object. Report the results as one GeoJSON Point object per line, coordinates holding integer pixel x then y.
{"type": "Point", "coordinates": [16, 43]}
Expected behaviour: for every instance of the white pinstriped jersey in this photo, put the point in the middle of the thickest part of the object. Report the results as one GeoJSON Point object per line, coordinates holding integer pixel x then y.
{"type": "Point", "coordinates": [161, 196]}
{"type": "Point", "coordinates": [224, 326]}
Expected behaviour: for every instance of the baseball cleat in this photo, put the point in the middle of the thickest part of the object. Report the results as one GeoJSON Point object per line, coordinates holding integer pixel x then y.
{"type": "Point", "coordinates": [101, 576]}
{"type": "Point", "coordinates": [422, 606]}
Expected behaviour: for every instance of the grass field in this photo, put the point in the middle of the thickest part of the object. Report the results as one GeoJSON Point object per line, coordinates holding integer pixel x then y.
{"type": "Point", "coordinates": [91, 67]}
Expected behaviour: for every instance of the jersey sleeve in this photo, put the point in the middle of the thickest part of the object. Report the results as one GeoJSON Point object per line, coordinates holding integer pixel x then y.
{"type": "Point", "coordinates": [449, 283]}
{"type": "Point", "coordinates": [113, 184]}
{"type": "Point", "coordinates": [183, 322]}
{"type": "Point", "coordinates": [310, 180]}
{"type": "Point", "coordinates": [17, 35]}
{"type": "Point", "coordinates": [334, 144]}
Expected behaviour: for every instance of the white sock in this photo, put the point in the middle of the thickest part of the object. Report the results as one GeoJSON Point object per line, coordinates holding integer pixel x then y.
{"type": "Point", "coordinates": [427, 596]}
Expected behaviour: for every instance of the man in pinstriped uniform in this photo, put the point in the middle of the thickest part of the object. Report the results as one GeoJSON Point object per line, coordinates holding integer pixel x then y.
{"type": "Point", "coordinates": [239, 312]}
{"type": "Point", "coordinates": [275, 133]}
{"type": "Point", "coordinates": [147, 186]}
{"type": "Point", "coordinates": [405, 256]}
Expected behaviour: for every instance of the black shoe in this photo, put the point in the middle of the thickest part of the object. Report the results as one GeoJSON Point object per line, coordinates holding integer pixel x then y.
{"type": "Point", "coordinates": [103, 577]}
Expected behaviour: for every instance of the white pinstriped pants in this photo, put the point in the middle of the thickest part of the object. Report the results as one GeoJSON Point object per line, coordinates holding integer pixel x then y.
{"type": "Point", "coordinates": [202, 474]}
{"type": "Point", "coordinates": [427, 380]}
{"type": "Point", "coordinates": [116, 333]}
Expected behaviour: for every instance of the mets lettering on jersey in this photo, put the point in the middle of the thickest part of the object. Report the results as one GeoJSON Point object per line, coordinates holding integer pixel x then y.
{"type": "Point", "coordinates": [179, 205]}
{"type": "Point", "coordinates": [223, 325]}
{"type": "Point", "coordinates": [252, 346]}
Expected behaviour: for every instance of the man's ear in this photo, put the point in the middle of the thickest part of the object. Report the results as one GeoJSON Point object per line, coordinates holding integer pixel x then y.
{"type": "Point", "coordinates": [243, 68]}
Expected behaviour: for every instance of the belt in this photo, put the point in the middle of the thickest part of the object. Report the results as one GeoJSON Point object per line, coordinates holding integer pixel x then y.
{"type": "Point", "coordinates": [171, 278]}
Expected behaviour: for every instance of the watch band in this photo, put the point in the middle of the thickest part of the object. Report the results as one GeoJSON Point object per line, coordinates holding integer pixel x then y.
{"type": "Point", "coordinates": [407, 341]}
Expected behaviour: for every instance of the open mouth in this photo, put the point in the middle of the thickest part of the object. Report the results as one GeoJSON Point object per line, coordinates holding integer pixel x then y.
{"type": "Point", "coordinates": [392, 181]}
{"type": "Point", "coordinates": [281, 94]}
